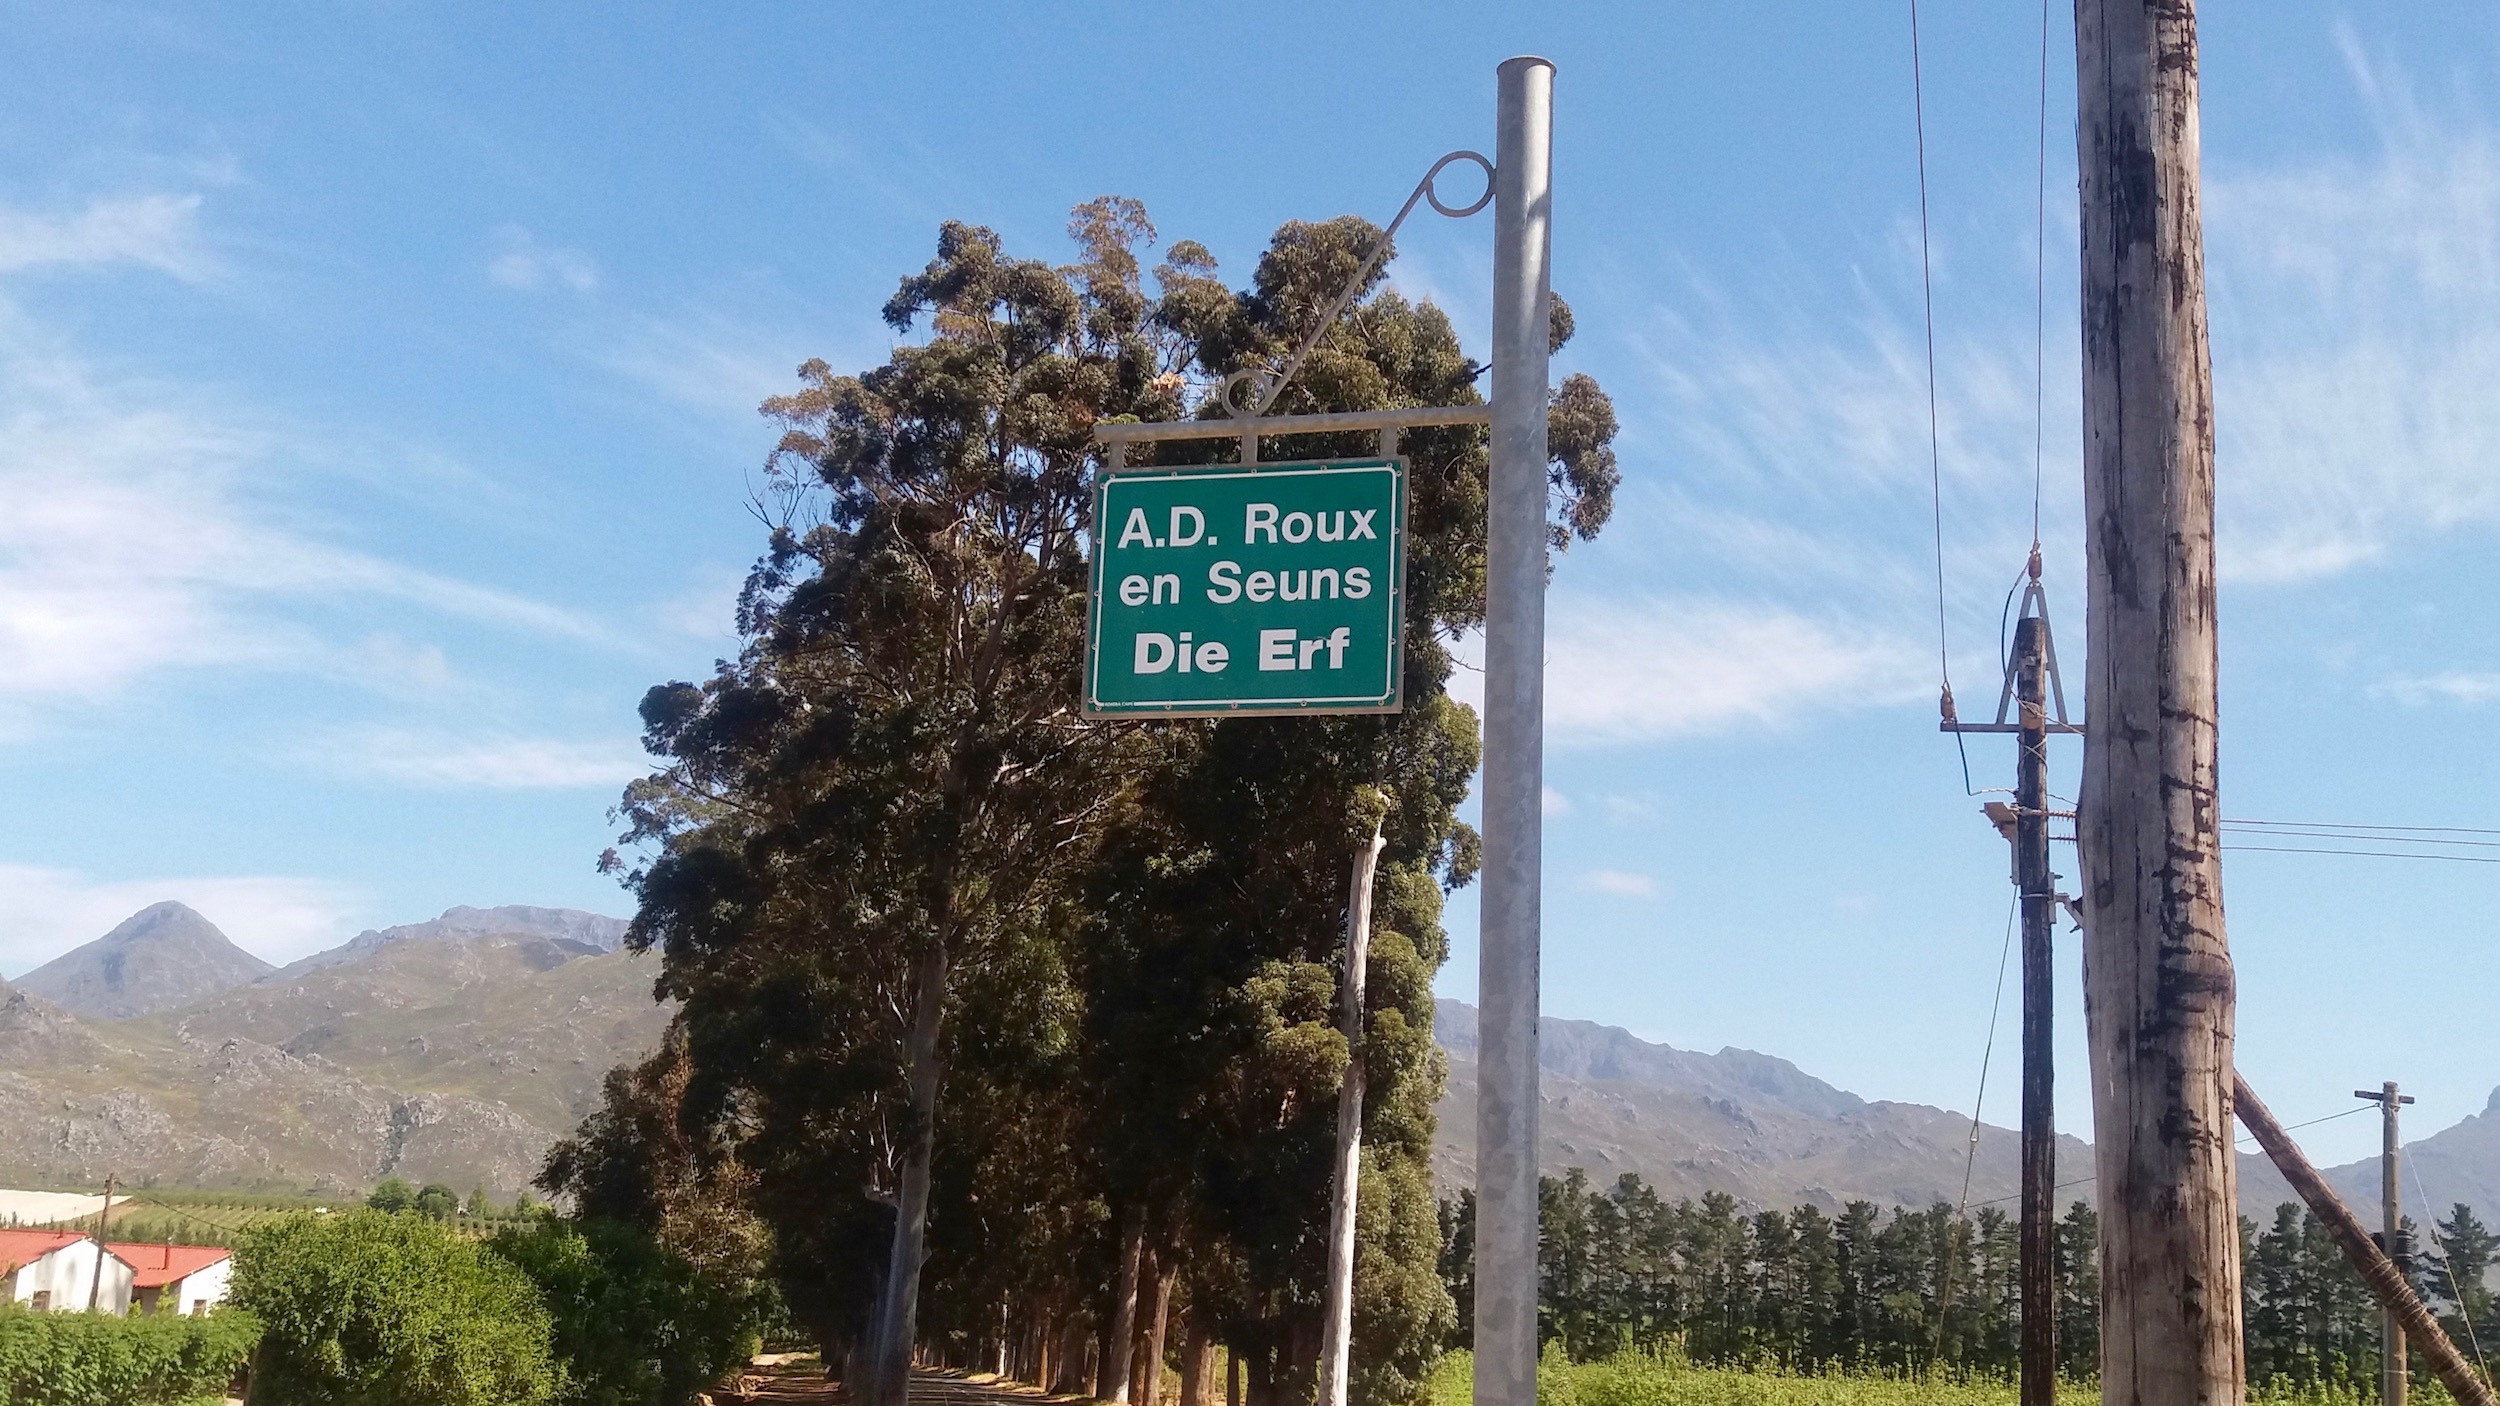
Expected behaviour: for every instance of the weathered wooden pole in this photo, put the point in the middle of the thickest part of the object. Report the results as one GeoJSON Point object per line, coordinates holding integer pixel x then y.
{"type": "Point", "coordinates": [2157, 968]}
{"type": "Point", "coordinates": [2039, 898]}
{"type": "Point", "coordinates": [2391, 1360]}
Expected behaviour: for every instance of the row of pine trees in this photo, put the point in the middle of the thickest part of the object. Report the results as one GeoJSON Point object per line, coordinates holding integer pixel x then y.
{"type": "Point", "coordinates": [1911, 1290]}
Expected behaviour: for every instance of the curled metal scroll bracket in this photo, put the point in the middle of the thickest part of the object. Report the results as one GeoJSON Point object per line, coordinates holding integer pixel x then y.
{"type": "Point", "coordinates": [1266, 385]}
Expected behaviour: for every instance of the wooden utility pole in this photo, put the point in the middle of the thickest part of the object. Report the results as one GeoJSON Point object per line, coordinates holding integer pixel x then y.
{"type": "Point", "coordinates": [2386, 1281]}
{"type": "Point", "coordinates": [2157, 967]}
{"type": "Point", "coordinates": [103, 1227]}
{"type": "Point", "coordinates": [2039, 898]}
{"type": "Point", "coordinates": [2391, 1362]}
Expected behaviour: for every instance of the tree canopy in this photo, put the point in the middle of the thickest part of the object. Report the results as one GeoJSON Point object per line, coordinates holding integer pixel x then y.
{"type": "Point", "coordinates": [1023, 1016]}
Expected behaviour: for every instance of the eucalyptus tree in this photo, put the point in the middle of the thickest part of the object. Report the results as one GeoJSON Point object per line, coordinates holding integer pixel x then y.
{"type": "Point", "coordinates": [1219, 904]}
{"type": "Point", "coordinates": [874, 803]}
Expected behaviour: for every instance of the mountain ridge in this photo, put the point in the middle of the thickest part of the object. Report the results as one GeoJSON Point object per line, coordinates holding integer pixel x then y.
{"type": "Point", "coordinates": [458, 1049]}
{"type": "Point", "coordinates": [163, 956]}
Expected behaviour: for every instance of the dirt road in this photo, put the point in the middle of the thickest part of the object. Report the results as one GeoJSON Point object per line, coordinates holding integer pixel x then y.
{"type": "Point", "coordinates": [802, 1379]}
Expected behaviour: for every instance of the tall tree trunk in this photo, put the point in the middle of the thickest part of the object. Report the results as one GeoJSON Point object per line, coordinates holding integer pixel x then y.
{"type": "Point", "coordinates": [1197, 1357]}
{"type": "Point", "coordinates": [2157, 968]}
{"type": "Point", "coordinates": [1150, 1379]}
{"type": "Point", "coordinates": [887, 1381]}
{"type": "Point", "coordinates": [1070, 1378]}
{"type": "Point", "coordinates": [1120, 1335]}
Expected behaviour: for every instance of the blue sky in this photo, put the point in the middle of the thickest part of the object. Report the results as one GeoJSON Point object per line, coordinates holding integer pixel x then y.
{"type": "Point", "coordinates": [377, 392]}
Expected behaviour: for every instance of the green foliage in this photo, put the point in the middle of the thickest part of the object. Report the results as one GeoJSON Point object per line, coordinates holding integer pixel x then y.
{"type": "Point", "coordinates": [394, 1195]}
{"type": "Point", "coordinates": [634, 1325]}
{"type": "Point", "coordinates": [934, 932]}
{"type": "Point", "coordinates": [2466, 1250]}
{"type": "Point", "coordinates": [1799, 1290]}
{"type": "Point", "coordinates": [375, 1309]}
{"type": "Point", "coordinates": [1665, 1378]}
{"type": "Point", "coordinates": [437, 1202]}
{"type": "Point", "coordinates": [86, 1359]}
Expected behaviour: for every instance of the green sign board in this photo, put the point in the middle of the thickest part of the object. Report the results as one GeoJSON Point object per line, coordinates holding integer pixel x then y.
{"type": "Point", "coordinates": [1260, 589]}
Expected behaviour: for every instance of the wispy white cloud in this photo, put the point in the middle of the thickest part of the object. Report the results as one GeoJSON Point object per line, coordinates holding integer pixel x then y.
{"type": "Point", "coordinates": [440, 760]}
{"type": "Point", "coordinates": [45, 912]}
{"type": "Point", "coordinates": [708, 363]}
{"type": "Point", "coordinates": [140, 531]}
{"type": "Point", "coordinates": [156, 231]}
{"type": "Point", "coordinates": [2356, 311]}
{"type": "Point", "coordinates": [1623, 809]}
{"type": "Point", "coordinates": [1622, 884]}
{"type": "Point", "coordinates": [521, 262]}
{"type": "Point", "coordinates": [2356, 339]}
{"type": "Point", "coordinates": [1556, 803]}
{"type": "Point", "coordinates": [2468, 689]}
{"type": "Point", "coordinates": [1666, 667]}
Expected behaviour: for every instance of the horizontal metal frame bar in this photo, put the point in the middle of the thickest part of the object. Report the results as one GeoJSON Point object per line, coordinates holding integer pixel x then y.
{"type": "Point", "coordinates": [2075, 728]}
{"type": "Point", "coordinates": [1414, 417]}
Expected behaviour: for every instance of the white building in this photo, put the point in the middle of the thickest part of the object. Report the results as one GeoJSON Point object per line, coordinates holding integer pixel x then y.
{"type": "Point", "coordinates": [61, 1271]}
{"type": "Point", "coordinates": [184, 1279]}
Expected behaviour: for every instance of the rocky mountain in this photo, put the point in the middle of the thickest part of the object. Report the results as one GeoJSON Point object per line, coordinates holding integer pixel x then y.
{"type": "Point", "coordinates": [458, 1056]}
{"type": "Point", "coordinates": [1768, 1133]}
{"type": "Point", "coordinates": [591, 930]}
{"type": "Point", "coordinates": [163, 956]}
{"type": "Point", "coordinates": [1754, 1126]}
{"type": "Point", "coordinates": [458, 1050]}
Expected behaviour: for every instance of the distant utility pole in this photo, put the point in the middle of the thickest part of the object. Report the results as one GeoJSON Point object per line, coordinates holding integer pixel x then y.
{"type": "Point", "coordinates": [2391, 1367]}
{"type": "Point", "coordinates": [103, 1227]}
{"type": "Point", "coordinates": [2039, 897]}
{"type": "Point", "coordinates": [2031, 686]}
{"type": "Point", "coordinates": [2157, 967]}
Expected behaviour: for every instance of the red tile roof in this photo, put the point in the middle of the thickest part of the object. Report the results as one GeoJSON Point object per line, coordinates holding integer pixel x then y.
{"type": "Point", "coordinates": [159, 1265]}
{"type": "Point", "coordinates": [19, 1248]}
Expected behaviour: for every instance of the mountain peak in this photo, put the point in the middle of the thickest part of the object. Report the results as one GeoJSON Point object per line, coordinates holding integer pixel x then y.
{"type": "Point", "coordinates": [163, 956]}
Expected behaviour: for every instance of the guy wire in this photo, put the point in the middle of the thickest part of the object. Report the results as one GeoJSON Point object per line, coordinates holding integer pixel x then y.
{"type": "Point", "coordinates": [2456, 1292]}
{"type": "Point", "coordinates": [1970, 1157]}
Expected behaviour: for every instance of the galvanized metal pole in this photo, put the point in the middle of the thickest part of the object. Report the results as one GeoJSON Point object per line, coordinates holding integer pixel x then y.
{"type": "Point", "coordinates": [1514, 742]}
{"type": "Point", "coordinates": [1337, 1319]}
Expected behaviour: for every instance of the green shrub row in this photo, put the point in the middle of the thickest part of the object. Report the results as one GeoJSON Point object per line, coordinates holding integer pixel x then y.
{"type": "Point", "coordinates": [86, 1359]}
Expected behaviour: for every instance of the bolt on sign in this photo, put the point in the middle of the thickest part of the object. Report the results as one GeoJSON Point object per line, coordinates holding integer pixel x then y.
{"type": "Point", "coordinates": [1248, 590]}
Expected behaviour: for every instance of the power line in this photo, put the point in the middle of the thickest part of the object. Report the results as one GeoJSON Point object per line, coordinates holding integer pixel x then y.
{"type": "Point", "coordinates": [2345, 825]}
{"type": "Point", "coordinates": [2240, 1144]}
{"type": "Point", "coordinates": [2039, 288]}
{"type": "Point", "coordinates": [2348, 836]}
{"type": "Point", "coordinates": [1935, 441]}
{"type": "Point", "coordinates": [2370, 853]}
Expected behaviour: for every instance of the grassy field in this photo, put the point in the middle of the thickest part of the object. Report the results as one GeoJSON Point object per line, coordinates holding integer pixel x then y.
{"type": "Point", "coordinates": [1667, 1381]}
